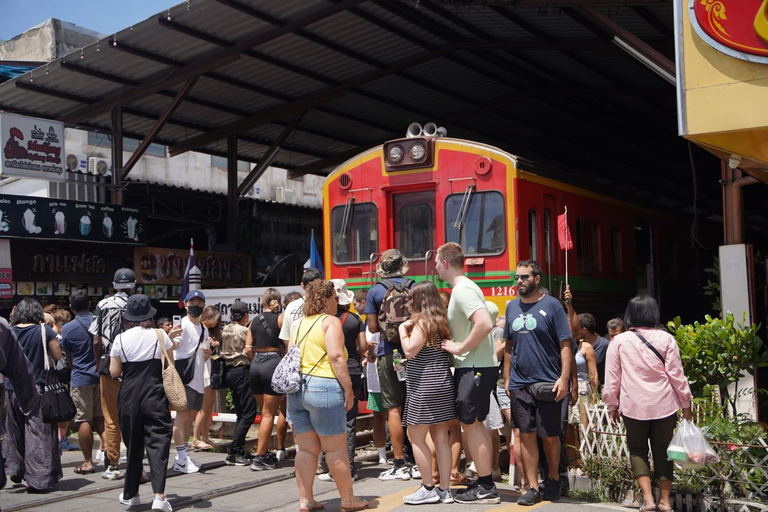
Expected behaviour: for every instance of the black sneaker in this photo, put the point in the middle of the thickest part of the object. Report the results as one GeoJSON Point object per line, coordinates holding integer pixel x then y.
{"type": "Point", "coordinates": [529, 498]}
{"type": "Point", "coordinates": [271, 457]}
{"type": "Point", "coordinates": [261, 463]}
{"type": "Point", "coordinates": [247, 455]}
{"type": "Point", "coordinates": [552, 490]}
{"type": "Point", "coordinates": [236, 459]}
{"type": "Point", "coordinates": [475, 493]}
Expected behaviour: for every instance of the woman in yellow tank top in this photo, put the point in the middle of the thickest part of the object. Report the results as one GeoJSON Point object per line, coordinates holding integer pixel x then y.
{"type": "Point", "coordinates": [318, 410]}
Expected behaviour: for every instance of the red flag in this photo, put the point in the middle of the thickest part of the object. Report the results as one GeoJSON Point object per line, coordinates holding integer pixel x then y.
{"type": "Point", "coordinates": [563, 234]}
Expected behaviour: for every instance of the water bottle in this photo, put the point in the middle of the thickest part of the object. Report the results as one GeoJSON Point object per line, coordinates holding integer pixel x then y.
{"type": "Point", "coordinates": [478, 378]}
{"type": "Point", "coordinates": [398, 364]}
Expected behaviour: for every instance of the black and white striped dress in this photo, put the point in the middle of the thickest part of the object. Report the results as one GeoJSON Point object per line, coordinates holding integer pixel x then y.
{"type": "Point", "coordinates": [430, 396]}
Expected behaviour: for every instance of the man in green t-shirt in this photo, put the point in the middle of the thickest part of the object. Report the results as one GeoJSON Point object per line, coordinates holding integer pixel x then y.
{"type": "Point", "coordinates": [474, 357]}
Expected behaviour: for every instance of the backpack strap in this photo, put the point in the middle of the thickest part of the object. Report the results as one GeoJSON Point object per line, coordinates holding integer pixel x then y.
{"type": "Point", "coordinates": [266, 326]}
{"type": "Point", "coordinates": [387, 284]}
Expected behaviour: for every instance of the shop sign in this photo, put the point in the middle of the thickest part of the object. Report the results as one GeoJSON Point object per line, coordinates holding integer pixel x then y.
{"type": "Point", "coordinates": [155, 265]}
{"type": "Point", "coordinates": [735, 27]}
{"type": "Point", "coordinates": [45, 218]}
{"type": "Point", "coordinates": [222, 299]}
{"type": "Point", "coordinates": [32, 147]}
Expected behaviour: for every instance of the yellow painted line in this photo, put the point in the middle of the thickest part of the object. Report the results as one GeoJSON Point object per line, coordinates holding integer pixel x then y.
{"type": "Point", "coordinates": [514, 506]}
{"type": "Point", "coordinates": [391, 501]}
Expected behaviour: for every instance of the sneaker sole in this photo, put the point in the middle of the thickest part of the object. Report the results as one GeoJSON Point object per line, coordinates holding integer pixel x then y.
{"type": "Point", "coordinates": [425, 502]}
{"type": "Point", "coordinates": [481, 501]}
{"type": "Point", "coordinates": [527, 504]}
{"type": "Point", "coordinates": [228, 463]}
{"type": "Point", "coordinates": [388, 478]}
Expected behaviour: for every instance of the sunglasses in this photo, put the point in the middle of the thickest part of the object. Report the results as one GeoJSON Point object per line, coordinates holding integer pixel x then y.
{"type": "Point", "coordinates": [521, 277]}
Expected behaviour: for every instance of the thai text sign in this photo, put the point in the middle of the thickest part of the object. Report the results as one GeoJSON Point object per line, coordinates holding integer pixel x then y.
{"type": "Point", "coordinates": [222, 299]}
{"type": "Point", "coordinates": [45, 218]}
{"type": "Point", "coordinates": [32, 148]}
{"type": "Point", "coordinates": [155, 265]}
{"type": "Point", "coordinates": [736, 27]}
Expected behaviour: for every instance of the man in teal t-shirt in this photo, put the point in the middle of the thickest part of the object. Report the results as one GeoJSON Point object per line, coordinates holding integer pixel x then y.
{"type": "Point", "coordinates": [474, 357]}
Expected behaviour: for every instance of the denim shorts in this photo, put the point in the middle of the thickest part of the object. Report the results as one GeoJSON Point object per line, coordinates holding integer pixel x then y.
{"type": "Point", "coordinates": [318, 406]}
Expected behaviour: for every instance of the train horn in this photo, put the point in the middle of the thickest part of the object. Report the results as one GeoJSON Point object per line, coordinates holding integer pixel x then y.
{"type": "Point", "coordinates": [414, 130]}
{"type": "Point", "coordinates": [441, 131]}
{"type": "Point", "coordinates": [430, 130]}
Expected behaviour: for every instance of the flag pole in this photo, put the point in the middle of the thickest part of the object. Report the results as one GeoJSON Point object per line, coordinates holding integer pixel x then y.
{"type": "Point", "coordinates": [566, 248]}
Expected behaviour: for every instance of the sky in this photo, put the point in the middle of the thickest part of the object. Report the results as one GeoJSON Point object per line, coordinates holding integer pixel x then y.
{"type": "Point", "coordinates": [105, 16]}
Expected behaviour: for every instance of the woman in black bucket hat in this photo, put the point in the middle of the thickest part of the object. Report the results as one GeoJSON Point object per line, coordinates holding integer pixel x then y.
{"type": "Point", "coordinates": [142, 403]}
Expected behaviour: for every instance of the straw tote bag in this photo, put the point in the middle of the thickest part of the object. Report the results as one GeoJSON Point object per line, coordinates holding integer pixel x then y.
{"type": "Point", "coordinates": [174, 388]}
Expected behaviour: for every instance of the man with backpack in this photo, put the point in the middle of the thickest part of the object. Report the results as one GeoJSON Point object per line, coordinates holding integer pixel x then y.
{"type": "Point", "coordinates": [387, 307]}
{"type": "Point", "coordinates": [106, 325]}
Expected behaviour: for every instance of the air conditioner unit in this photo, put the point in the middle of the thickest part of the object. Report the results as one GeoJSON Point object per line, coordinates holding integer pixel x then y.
{"type": "Point", "coordinates": [100, 166]}
{"type": "Point", "coordinates": [76, 162]}
{"type": "Point", "coordinates": [281, 193]}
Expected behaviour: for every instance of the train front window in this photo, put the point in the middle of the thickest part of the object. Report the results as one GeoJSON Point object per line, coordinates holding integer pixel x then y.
{"type": "Point", "coordinates": [414, 223]}
{"type": "Point", "coordinates": [360, 237]}
{"type": "Point", "coordinates": [484, 230]}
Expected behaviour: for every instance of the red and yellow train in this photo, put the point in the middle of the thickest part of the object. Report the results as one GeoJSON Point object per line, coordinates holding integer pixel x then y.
{"type": "Point", "coordinates": [421, 191]}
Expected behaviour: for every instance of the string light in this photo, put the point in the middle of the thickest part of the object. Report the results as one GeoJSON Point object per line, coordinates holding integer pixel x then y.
{"type": "Point", "coordinates": [187, 4]}
{"type": "Point", "coordinates": [46, 69]}
{"type": "Point", "coordinates": [169, 15]}
{"type": "Point", "coordinates": [114, 39]}
{"type": "Point", "coordinates": [98, 46]}
{"type": "Point", "coordinates": [82, 56]}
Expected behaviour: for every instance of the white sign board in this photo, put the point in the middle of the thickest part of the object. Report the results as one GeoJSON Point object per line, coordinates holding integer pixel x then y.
{"type": "Point", "coordinates": [222, 298]}
{"type": "Point", "coordinates": [32, 147]}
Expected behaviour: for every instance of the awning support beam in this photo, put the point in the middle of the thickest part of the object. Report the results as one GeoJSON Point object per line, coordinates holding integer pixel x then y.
{"type": "Point", "coordinates": [269, 156]}
{"type": "Point", "coordinates": [155, 130]}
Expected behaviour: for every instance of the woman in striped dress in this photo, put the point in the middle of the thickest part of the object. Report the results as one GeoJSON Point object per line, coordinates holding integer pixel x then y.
{"type": "Point", "coordinates": [430, 401]}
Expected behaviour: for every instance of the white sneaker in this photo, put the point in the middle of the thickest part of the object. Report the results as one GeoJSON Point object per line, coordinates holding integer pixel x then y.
{"type": "Point", "coordinates": [112, 473]}
{"type": "Point", "coordinates": [188, 466]}
{"type": "Point", "coordinates": [326, 477]}
{"type": "Point", "coordinates": [421, 496]}
{"type": "Point", "coordinates": [394, 473]}
{"type": "Point", "coordinates": [161, 504]}
{"type": "Point", "coordinates": [383, 460]}
{"type": "Point", "coordinates": [133, 502]}
{"type": "Point", "coordinates": [444, 495]}
{"type": "Point", "coordinates": [123, 458]}
{"type": "Point", "coordinates": [280, 455]}
{"type": "Point", "coordinates": [99, 456]}
{"type": "Point", "coordinates": [415, 473]}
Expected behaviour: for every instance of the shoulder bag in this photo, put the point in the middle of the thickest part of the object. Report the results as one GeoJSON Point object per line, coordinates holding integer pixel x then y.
{"type": "Point", "coordinates": [186, 366]}
{"type": "Point", "coordinates": [218, 370]}
{"type": "Point", "coordinates": [651, 347]}
{"type": "Point", "coordinates": [287, 375]}
{"type": "Point", "coordinates": [56, 405]}
{"type": "Point", "coordinates": [542, 391]}
{"type": "Point", "coordinates": [174, 388]}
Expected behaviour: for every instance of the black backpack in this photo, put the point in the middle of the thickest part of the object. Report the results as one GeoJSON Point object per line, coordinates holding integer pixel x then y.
{"type": "Point", "coordinates": [112, 317]}
{"type": "Point", "coordinates": [395, 309]}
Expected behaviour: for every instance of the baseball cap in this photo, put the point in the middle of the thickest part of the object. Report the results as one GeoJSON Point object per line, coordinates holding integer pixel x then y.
{"type": "Point", "coordinates": [238, 310]}
{"type": "Point", "coordinates": [194, 293]}
{"type": "Point", "coordinates": [125, 279]}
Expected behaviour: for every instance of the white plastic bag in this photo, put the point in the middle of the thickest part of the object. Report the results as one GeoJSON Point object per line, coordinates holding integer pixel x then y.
{"type": "Point", "coordinates": [689, 448]}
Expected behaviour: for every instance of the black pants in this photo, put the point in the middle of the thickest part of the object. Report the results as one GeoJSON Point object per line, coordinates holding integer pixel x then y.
{"type": "Point", "coordinates": [659, 433]}
{"type": "Point", "coordinates": [245, 405]}
{"type": "Point", "coordinates": [357, 382]}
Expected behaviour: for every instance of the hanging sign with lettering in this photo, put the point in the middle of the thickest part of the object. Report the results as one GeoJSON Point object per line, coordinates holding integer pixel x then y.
{"type": "Point", "coordinates": [738, 28]}
{"type": "Point", "coordinates": [31, 147]}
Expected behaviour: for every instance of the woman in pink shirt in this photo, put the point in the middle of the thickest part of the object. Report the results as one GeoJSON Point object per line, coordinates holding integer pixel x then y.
{"type": "Point", "coordinates": [645, 385]}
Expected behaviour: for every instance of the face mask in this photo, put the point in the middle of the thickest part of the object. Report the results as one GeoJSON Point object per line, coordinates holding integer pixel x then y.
{"type": "Point", "coordinates": [195, 311]}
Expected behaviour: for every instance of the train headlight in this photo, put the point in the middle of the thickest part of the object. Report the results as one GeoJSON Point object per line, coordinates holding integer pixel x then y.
{"type": "Point", "coordinates": [395, 154]}
{"type": "Point", "coordinates": [418, 151]}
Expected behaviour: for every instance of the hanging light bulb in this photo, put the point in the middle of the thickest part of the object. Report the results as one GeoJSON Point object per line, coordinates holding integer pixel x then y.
{"type": "Point", "coordinates": [81, 54]}
{"type": "Point", "coordinates": [169, 15]}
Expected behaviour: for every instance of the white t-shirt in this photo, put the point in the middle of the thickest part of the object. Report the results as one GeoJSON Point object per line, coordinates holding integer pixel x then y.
{"type": "Point", "coordinates": [138, 344]}
{"type": "Point", "coordinates": [372, 376]}
{"type": "Point", "coordinates": [292, 316]}
{"type": "Point", "coordinates": [190, 337]}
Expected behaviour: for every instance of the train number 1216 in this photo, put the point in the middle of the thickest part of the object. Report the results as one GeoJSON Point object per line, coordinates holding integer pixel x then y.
{"type": "Point", "coordinates": [504, 291]}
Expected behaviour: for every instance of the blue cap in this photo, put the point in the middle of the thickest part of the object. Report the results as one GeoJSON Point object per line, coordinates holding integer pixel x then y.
{"type": "Point", "coordinates": [194, 293]}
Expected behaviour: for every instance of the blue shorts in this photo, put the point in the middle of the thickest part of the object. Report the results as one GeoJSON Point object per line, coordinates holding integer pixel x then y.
{"type": "Point", "coordinates": [318, 406]}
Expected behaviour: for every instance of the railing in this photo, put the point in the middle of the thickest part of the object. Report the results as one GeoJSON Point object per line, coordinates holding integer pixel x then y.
{"type": "Point", "coordinates": [741, 473]}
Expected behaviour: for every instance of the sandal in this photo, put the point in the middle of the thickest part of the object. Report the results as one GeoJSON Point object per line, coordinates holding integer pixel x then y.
{"type": "Point", "coordinates": [352, 506]}
{"type": "Point", "coordinates": [459, 479]}
{"type": "Point", "coordinates": [643, 508]}
{"type": "Point", "coordinates": [80, 471]}
{"type": "Point", "coordinates": [309, 506]}
{"type": "Point", "coordinates": [200, 445]}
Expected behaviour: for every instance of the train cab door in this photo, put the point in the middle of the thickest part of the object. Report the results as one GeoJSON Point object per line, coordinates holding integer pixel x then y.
{"type": "Point", "coordinates": [549, 254]}
{"type": "Point", "coordinates": [413, 227]}
{"type": "Point", "coordinates": [645, 265]}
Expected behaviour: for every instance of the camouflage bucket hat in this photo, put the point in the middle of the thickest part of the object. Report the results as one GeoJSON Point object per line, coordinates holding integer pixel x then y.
{"type": "Point", "coordinates": [392, 264]}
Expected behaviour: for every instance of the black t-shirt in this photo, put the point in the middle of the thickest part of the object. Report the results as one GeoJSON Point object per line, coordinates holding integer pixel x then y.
{"type": "Point", "coordinates": [352, 325]}
{"type": "Point", "coordinates": [263, 338]}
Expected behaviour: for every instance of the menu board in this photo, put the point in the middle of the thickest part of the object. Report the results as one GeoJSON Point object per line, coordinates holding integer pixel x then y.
{"type": "Point", "coordinates": [31, 147]}
{"type": "Point", "coordinates": [59, 219]}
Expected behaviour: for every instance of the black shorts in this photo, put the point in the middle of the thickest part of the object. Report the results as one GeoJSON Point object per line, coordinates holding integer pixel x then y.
{"type": "Point", "coordinates": [260, 374]}
{"type": "Point", "coordinates": [547, 419]}
{"type": "Point", "coordinates": [392, 389]}
{"type": "Point", "coordinates": [474, 400]}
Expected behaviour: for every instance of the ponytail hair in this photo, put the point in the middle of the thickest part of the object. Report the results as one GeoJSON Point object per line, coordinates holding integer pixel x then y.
{"type": "Point", "coordinates": [271, 300]}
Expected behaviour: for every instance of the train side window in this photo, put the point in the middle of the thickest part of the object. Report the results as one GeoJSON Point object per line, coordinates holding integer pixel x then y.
{"type": "Point", "coordinates": [533, 236]}
{"type": "Point", "coordinates": [616, 250]}
{"type": "Point", "coordinates": [485, 228]}
{"type": "Point", "coordinates": [361, 237]}
{"type": "Point", "coordinates": [588, 246]}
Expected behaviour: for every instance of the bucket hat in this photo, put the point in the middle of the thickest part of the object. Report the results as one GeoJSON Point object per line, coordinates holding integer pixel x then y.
{"type": "Point", "coordinates": [392, 264]}
{"type": "Point", "coordinates": [345, 295]}
{"type": "Point", "coordinates": [139, 309]}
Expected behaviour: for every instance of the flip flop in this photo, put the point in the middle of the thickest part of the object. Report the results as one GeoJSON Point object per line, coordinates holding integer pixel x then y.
{"type": "Point", "coordinates": [352, 506]}
{"type": "Point", "coordinates": [80, 471]}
